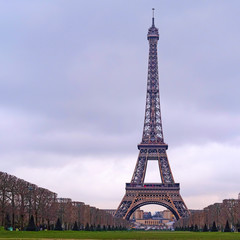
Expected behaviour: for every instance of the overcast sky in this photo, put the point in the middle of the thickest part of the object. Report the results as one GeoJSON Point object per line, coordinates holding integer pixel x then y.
{"type": "Point", "coordinates": [73, 86]}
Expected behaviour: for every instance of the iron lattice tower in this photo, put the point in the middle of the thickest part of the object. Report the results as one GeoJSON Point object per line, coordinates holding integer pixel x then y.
{"type": "Point", "coordinates": [152, 147]}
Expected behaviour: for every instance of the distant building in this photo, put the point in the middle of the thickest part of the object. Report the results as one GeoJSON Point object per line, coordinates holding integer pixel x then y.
{"type": "Point", "coordinates": [159, 220]}
{"type": "Point", "coordinates": [239, 196]}
{"type": "Point", "coordinates": [149, 222]}
{"type": "Point", "coordinates": [64, 200]}
{"type": "Point", "coordinates": [110, 211]}
{"type": "Point", "coordinates": [138, 214]}
{"type": "Point", "coordinates": [157, 215]}
{"type": "Point", "coordinates": [147, 215]}
{"type": "Point", "coordinates": [166, 214]}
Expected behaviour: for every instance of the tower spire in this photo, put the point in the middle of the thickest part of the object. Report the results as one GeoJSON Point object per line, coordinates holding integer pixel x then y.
{"type": "Point", "coordinates": [153, 17]}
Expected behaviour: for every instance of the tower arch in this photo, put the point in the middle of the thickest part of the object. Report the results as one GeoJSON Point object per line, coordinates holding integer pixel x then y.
{"type": "Point", "coordinates": [133, 209]}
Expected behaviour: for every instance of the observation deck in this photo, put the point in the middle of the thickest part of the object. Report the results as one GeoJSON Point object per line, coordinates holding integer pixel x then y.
{"type": "Point", "coordinates": [153, 186]}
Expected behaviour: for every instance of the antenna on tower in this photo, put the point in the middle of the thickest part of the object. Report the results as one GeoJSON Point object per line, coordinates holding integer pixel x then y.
{"type": "Point", "coordinates": [153, 16]}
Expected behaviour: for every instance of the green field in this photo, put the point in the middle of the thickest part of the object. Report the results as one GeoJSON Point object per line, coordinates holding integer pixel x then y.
{"type": "Point", "coordinates": [119, 235]}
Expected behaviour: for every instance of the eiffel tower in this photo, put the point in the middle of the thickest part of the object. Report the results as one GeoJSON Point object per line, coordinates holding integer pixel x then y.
{"type": "Point", "coordinates": [165, 193]}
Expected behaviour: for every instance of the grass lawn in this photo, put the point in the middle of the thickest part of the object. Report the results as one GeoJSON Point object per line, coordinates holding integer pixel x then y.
{"type": "Point", "coordinates": [119, 235]}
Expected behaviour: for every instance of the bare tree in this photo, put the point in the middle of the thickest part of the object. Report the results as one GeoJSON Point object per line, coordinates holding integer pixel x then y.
{"type": "Point", "coordinates": [19, 200]}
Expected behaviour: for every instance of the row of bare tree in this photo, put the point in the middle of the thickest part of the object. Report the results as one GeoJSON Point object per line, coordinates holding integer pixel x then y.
{"type": "Point", "coordinates": [19, 200]}
{"type": "Point", "coordinates": [220, 213]}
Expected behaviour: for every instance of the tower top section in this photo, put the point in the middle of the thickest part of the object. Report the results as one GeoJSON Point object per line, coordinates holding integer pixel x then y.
{"type": "Point", "coordinates": [153, 31]}
{"type": "Point", "coordinates": [152, 130]}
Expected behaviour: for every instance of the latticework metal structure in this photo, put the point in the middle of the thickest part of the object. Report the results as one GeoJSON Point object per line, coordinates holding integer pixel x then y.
{"type": "Point", "coordinates": [152, 147]}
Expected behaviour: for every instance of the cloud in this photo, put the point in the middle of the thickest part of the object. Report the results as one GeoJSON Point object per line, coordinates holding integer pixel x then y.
{"type": "Point", "coordinates": [99, 182]}
{"type": "Point", "coordinates": [206, 173]}
{"type": "Point", "coordinates": [186, 124]}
